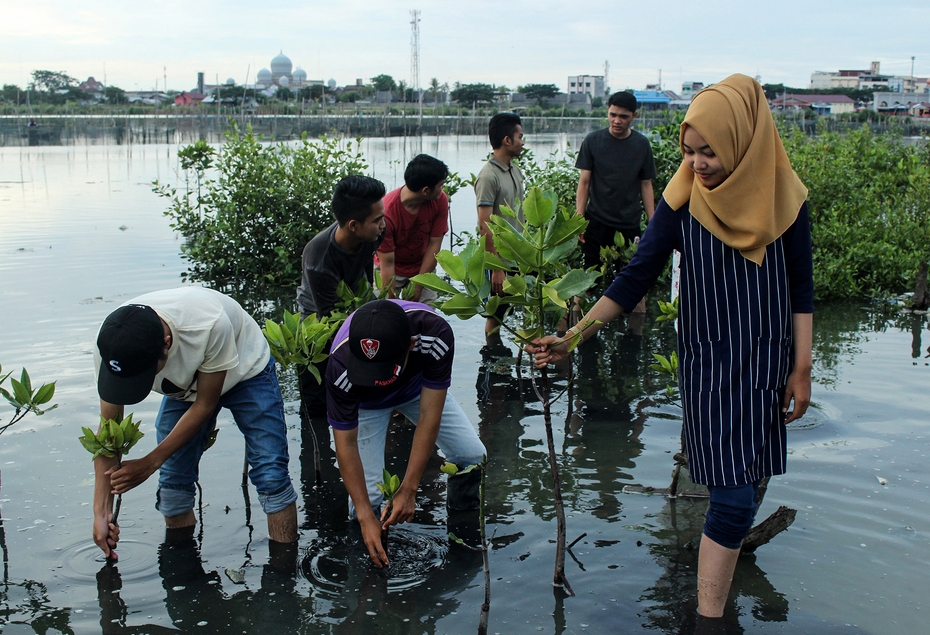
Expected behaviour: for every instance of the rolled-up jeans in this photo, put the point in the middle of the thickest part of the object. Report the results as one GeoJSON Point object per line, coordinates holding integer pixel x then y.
{"type": "Point", "coordinates": [458, 441]}
{"type": "Point", "coordinates": [258, 410]}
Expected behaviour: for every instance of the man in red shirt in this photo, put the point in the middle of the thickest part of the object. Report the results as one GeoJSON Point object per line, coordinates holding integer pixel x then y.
{"type": "Point", "coordinates": [416, 217]}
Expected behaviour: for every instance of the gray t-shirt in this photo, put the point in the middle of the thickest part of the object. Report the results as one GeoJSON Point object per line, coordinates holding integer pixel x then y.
{"type": "Point", "coordinates": [617, 168]}
{"type": "Point", "coordinates": [324, 264]}
{"type": "Point", "coordinates": [498, 185]}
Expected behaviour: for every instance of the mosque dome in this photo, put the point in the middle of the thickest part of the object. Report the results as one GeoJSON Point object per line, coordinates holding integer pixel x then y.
{"type": "Point", "coordinates": [283, 81]}
{"type": "Point", "coordinates": [230, 81]}
{"type": "Point", "coordinates": [300, 75]}
{"type": "Point", "coordinates": [332, 83]}
{"type": "Point", "coordinates": [281, 64]}
{"type": "Point", "coordinates": [264, 76]}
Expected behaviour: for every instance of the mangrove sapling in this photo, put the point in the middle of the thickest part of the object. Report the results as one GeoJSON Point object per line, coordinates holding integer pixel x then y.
{"type": "Point", "coordinates": [388, 487]}
{"type": "Point", "coordinates": [25, 400]}
{"type": "Point", "coordinates": [452, 469]}
{"type": "Point", "coordinates": [114, 439]}
{"type": "Point", "coordinates": [303, 343]}
{"type": "Point", "coordinates": [540, 279]}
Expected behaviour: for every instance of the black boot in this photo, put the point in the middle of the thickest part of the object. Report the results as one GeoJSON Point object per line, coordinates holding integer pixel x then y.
{"type": "Point", "coordinates": [462, 491]}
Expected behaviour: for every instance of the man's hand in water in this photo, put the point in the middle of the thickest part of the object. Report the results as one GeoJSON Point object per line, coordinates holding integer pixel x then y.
{"type": "Point", "coordinates": [106, 535]}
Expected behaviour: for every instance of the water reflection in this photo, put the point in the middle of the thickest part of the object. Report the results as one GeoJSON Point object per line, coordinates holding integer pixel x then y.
{"type": "Point", "coordinates": [844, 327]}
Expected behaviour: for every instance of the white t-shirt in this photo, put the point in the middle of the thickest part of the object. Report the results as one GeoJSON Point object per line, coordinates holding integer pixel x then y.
{"type": "Point", "coordinates": [210, 332]}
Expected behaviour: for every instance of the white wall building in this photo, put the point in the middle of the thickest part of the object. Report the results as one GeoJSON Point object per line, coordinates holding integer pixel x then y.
{"type": "Point", "coordinates": [591, 84]}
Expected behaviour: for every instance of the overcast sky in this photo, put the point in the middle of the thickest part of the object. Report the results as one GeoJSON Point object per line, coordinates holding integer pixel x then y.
{"type": "Point", "coordinates": [511, 43]}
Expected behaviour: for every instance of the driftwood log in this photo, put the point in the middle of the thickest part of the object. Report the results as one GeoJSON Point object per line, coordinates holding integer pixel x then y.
{"type": "Point", "coordinates": [768, 529]}
{"type": "Point", "coordinates": [759, 535]}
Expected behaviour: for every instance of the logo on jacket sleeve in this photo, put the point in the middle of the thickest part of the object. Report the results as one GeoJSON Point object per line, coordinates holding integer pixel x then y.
{"type": "Point", "coordinates": [370, 347]}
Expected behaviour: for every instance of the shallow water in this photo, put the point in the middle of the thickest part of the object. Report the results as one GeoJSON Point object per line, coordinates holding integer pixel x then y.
{"type": "Point", "coordinates": [80, 232]}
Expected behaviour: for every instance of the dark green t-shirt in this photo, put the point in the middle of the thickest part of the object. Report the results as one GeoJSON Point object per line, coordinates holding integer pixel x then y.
{"type": "Point", "coordinates": [617, 168]}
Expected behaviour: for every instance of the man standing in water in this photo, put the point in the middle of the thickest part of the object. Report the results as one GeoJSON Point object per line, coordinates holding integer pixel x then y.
{"type": "Point", "coordinates": [203, 352]}
{"type": "Point", "coordinates": [417, 217]}
{"type": "Point", "coordinates": [396, 355]}
{"type": "Point", "coordinates": [615, 185]}
{"type": "Point", "coordinates": [500, 182]}
{"type": "Point", "coordinates": [343, 252]}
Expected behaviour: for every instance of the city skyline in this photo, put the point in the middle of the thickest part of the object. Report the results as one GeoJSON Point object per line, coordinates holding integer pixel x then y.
{"type": "Point", "coordinates": [535, 42]}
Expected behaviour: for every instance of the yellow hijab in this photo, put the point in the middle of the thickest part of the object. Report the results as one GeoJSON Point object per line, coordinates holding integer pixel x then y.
{"type": "Point", "coordinates": [762, 195]}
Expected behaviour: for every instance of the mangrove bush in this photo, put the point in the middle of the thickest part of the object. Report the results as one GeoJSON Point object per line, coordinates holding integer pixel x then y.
{"type": "Point", "coordinates": [246, 212]}
{"type": "Point", "coordinates": [869, 203]}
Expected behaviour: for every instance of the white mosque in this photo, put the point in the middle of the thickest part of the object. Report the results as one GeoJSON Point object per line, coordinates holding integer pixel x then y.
{"type": "Point", "coordinates": [281, 74]}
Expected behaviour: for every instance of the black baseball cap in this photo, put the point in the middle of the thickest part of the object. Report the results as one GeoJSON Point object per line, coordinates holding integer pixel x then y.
{"type": "Point", "coordinates": [131, 342]}
{"type": "Point", "coordinates": [379, 338]}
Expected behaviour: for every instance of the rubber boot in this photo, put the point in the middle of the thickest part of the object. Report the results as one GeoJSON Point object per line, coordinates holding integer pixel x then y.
{"type": "Point", "coordinates": [463, 491]}
{"type": "Point", "coordinates": [716, 564]}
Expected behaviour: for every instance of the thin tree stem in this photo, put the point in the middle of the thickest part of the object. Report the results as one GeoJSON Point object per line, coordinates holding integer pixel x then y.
{"type": "Point", "coordinates": [558, 576]}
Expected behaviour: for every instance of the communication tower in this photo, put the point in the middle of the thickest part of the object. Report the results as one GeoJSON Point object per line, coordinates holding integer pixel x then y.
{"type": "Point", "coordinates": [606, 78]}
{"type": "Point", "coordinates": [415, 50]}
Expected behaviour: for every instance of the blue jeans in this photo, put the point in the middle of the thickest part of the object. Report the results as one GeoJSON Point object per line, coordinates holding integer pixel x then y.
{"type": "Point", "coordinates": [458, 441]}
{"type": "Point", "coordinates": [730, 514]}
{"type": "Point", "coordinates": [258, 410]}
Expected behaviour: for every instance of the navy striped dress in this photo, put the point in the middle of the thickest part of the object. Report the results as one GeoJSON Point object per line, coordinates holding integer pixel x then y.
{"type": "Point", "coordinates": [734, 339]}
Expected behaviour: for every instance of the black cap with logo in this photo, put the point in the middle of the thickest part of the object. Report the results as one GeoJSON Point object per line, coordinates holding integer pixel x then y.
{"type": "Point", "coordinates": [379, 338]}
{"type": "Point", "coordinates": [131, 341]}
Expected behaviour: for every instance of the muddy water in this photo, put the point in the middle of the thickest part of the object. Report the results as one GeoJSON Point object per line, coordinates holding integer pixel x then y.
{"type": "Point", "coordinates": [80, 232]}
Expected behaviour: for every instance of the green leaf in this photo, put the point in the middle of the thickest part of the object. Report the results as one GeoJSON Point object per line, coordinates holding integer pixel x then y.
{"type": "Point", "coordinates": [434, 282]}
{"type": "Point", "coordinates": [567, 230]}
{"type": "Point", "coordinates": [27, 383]}
{"type": "Point", "coordinates": [495, 262]}
{"type": "Point", "coordinates": [476, 273]}
{"type": "Point", "coordinates": [558, 253]}
{"type": "Point", "coordinates": [575, 282]}
{"type": "Point", "coordinates": [537, 207]}
{"type": "Point", "coordinates": [515, 285]}
{"type": "Point", "coordinates": [518, 249]}
{"type": "Point", "coordinates": [553, 296]}
{"type": "Point", "coordinates": [449, 468]}
{"type": "Point", "coordinates": [490, 308]}
{"type": "Point", "coordinates": [21, 395]}
{"type": "Point", "coordinates": [460, 302]}
{"type": "Point", "coordinates": [451, 264]}
{"type": "Point", "coordinates": [526, 336]}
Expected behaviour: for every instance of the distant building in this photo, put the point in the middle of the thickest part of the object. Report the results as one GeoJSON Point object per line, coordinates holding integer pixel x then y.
{"type": "Point", "coordinates": [652, 99]}
{"type": "Point", "coordinates": [690, 89]}
{"type": "Point", "coordinates": [91, 86]}
{"type": "Point", "coordinates": [148, 97]}
{"type": "Point", "coordinates": [870, 79]}
{"type": "Point", "coordinates": [284, 75]}
{"type": "Point", "coordinates": [821, 104]}
{"type": "Point", "coordinates": [822, 80]}
{"type": "Point", "coordinates": [895, 103]}
{"type": "Point", "coordinates": [189, 98]}
{"type": "Point", "coordinates": [592, 85]}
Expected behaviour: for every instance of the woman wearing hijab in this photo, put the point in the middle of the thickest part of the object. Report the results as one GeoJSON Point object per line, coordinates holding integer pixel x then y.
{"type": "Point", "coordinates": [736, 211]}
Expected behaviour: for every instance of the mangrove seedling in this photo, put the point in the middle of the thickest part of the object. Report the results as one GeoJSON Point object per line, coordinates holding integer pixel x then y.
{"type": "Point", "coordinates": [539, 279]}
{"type": "Point", "coordinates": [389, 485]}
{"type": "Point", "coordinates": [115, 438]}
{"type": "Point", "coordinates": [299, 343]}
{"type": "Point", "coordinates": [452, 469]}
{"type": "Point", "coordinates": [24, 399]}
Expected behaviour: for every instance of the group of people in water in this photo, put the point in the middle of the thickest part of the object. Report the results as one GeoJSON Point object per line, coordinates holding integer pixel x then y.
{"type": "Point", "coordinates": [735, 211]}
